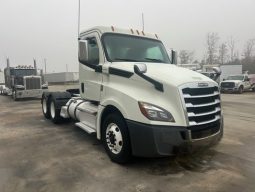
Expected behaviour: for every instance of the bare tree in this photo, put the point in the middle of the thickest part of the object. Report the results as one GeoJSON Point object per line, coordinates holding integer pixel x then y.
{"type": "Point", "coordinates": [186, 56]}
{"type": "Point", "coordinates": [223, 53]}
{"type": "Point", "coordinates": [249, 46]}
{"type": "Point", "coordinates": [212, 44]}
{"type": "Point", "coordinates": [231, 45]}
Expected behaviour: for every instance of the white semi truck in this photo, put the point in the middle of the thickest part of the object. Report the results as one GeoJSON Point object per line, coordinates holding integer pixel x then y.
{"type": "Point", "coordinates": [135, 100]}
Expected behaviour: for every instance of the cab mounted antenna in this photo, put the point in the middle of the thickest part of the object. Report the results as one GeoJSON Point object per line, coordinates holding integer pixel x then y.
{"type": "Point", "coordinates": [143, 21]}
{"type": "Point", "coordinates": [79, 7]}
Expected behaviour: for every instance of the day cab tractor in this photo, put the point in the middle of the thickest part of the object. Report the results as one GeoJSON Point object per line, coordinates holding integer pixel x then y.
{"type": "Point", "coordinates": [135, 100]}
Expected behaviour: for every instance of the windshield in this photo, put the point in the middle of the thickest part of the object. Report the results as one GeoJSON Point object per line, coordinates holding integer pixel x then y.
{"type": "Point", "coordinates": [119, 47]}
{"type": "Point", "coordinates": [23, 72]}
{"type": "Point", "coordinates": [235, 77]}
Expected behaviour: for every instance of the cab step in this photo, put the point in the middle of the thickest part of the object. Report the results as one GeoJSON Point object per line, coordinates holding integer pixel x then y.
{"type": "Point", "coordinates": [86, 128]}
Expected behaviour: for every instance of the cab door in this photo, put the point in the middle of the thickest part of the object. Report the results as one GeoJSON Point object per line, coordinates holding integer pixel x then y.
{"type": "Point", "coordinates": [246, 83]}
{"type": "Point", "coordinates": [90, 75]}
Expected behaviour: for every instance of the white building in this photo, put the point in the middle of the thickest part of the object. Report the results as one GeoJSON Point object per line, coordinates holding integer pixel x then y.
{"type": "Point", "coordinates": [1, 77]}
{"type": "Point", "coordinates": [62, 77]}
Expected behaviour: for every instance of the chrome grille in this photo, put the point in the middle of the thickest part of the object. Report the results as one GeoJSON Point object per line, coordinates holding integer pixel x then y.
{"type": "Point", "coordinates": [200, 131]}
{"type": "Point", "coordinates": [202, 104]}
{"type": "Point", "coordinates": [227, 84]}
{"type": "Point", "coordinates": [33, 83]}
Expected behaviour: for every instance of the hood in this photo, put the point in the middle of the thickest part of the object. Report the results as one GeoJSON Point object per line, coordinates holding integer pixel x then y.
{"type": "Point", "coordinates": [166, 73]}
{"type": "Point", "coordinates": [232, 81]}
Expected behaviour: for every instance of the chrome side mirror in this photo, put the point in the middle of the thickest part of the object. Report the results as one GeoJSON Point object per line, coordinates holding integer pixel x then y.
{"type": "Point", "coordinates": [140, 68]}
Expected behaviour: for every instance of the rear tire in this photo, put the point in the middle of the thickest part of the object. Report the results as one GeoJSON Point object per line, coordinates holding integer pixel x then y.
{"type": "Point", "coordinates": [54, 113]}
{"type": "Point", "coordinates": [115, 138]}
{"type": "Point", "coordinates": [45, 108]}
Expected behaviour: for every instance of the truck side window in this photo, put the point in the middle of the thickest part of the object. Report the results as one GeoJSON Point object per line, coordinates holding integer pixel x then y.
{"type": "Point", "coordinates": [93, 51]}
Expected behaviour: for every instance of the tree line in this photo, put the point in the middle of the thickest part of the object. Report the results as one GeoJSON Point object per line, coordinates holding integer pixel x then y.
{"type": "Point", "coordinates": [222, 53]}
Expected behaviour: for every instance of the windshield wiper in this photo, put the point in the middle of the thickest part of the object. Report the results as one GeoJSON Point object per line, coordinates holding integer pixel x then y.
{"type": "Point", "coordinates": [125, 59]}
{"type": "Point", "coordinates": [157, 60]}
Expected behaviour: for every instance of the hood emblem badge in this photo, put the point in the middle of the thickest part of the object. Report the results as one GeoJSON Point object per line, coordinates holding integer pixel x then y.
{"type": "Point", "coordinates": [202, 85]}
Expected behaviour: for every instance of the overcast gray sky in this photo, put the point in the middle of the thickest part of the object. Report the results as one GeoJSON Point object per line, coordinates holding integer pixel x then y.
{"type": "Point", "coordinates": [48, 28]}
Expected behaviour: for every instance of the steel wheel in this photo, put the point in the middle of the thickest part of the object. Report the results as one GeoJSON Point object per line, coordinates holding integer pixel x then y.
{"type": "Point", "coordinates": [55, 112]}
{"type": "Point", "coordinates": [52, 110]}
{"type": "Point", "coordinates": [114, 138]}
{"type": "Point", "coordinates": [45, 108]}
{"type": "Point", "coordinates": [240, 90]}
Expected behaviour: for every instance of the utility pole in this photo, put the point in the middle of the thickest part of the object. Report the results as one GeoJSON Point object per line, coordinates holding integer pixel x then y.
{"type": "Point", "coordinates": [79, 8]}
{"type": "Point", "coordinates": [45, 66]}
{"type": "Point", "coordinates": [8, 62]}
{"type": "Point", "coordinates": [143, 21]}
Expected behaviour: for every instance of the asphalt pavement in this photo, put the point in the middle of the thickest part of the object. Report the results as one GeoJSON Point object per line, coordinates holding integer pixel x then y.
{"type": "Point", "coordinates": [37, 155]}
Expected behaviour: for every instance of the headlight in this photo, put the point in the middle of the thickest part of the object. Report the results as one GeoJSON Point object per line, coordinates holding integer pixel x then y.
{"type": "Point", "coordinates": [19, 87]}
{"type": "Point", "coordinates": [45, 86]}
{"type": "Point", "coordinates": [155, 113]}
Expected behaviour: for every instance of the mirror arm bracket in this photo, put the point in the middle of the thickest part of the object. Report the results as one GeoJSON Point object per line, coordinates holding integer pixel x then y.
{"type": "Point", "coordinates": [159, 86]}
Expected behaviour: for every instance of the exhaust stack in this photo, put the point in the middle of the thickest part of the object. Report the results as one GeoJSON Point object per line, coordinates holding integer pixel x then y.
{"type": "Point", "coordinates": [8, 62]}
{"type": "Point", "coordinates": [35, 67]}
{"type": "Point", "coordinates": [35, 64]}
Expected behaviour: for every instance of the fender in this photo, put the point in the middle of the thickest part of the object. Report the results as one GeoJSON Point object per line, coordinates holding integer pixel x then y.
{"type": "Point", "coordinates": [60, 98]}
{"type": "Point", "coordinates": [102, 107]}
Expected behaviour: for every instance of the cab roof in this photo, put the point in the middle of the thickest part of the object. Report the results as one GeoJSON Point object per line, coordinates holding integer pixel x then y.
{"type": "Point", "coordinates": [112, 29]}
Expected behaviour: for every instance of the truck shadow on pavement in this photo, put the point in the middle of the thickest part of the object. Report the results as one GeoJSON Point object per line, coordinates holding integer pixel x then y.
{"type": "Point", "coordinates": [200, 161]}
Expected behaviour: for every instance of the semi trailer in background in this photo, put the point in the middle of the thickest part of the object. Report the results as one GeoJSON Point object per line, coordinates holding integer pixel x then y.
{"type": "Point", "coordinates": [24, 81]}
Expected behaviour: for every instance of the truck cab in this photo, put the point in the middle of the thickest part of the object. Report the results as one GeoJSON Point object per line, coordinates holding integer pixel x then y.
{"type": "Point", "coordinates": [135, 99]}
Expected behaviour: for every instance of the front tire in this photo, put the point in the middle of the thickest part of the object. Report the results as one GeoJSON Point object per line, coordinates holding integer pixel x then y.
{"type": "Point", "coordinates": [240, 90]}
{"type": "Point", "coordinates": [14, 95]}
{"type": "Point", "coordinates": [115, 138]}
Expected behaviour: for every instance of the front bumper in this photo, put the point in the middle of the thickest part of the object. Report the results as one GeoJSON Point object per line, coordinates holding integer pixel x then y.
{"type": "Point", "coordinates": [29, 93]}
{"type": "Point", "coordinates": [155, 141]}
{"type": "Point", "coordinates": [234, 89]}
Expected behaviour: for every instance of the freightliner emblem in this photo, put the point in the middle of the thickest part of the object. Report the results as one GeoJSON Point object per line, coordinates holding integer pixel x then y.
{"type": "Point", "coordinates": [202, 84]}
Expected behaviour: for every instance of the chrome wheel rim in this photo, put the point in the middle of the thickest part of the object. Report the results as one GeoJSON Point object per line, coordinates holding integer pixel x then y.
{"type": "Point", "coordinates": [44, 105]}
{"type": "Point", "coordinates": [52, 109]}
{"type": "Point", "coordinates": [114, 138]}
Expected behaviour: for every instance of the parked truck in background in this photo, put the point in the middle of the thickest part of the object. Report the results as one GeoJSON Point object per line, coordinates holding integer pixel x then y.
{"type": "Point", "coordinates": [24, 81]}
{"type": "Point", "coordinates": [135, 100]}
{"type": "Point", "coordinates": [237, 83]}
{"type": "Point", "coordinates": [211, 71]}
